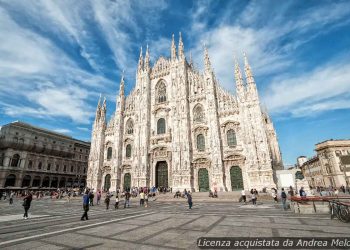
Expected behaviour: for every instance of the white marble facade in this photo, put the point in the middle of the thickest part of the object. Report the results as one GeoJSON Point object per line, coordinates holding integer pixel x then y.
{"type": "Point", "coordinates": [182, 121]}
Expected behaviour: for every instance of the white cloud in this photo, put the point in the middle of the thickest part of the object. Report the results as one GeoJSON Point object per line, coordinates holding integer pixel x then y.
{"type": "Point", "coordinates": [320, 90]}
{"type": "Point", "coordinates": [83, 129]}
{"type": "Point", "coordinates": [260, 37]}
{"type": "Point", "coordinates": [63, 130]}
{"type": "Point", "coordinates": [55, 102]}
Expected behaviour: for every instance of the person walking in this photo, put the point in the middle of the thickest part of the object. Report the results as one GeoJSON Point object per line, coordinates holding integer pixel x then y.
{"type": "Point", "coordinates": [274, 195]}
{"type": "Point", "coordinates": [107, 200]}
{"type": "Point", "coordinates": [116, 205]}
{"type": "Point", "coordinates": [142, 198]}
{"type": "Point", "coordinates": [146, 199]}
{"type": "Point", "coordinates": [85, 205]}
{"type": "Point", "coordinates": [98, 197]}
{"type": "Point", "coordinates": [254, 198]}
{"type": "Point", "coordinates": [243, 196]}
{"type": "Point", "coordinates": [26, 204]}
{"type": "Point", "coordinates": [284, 199]}
{"type": "Point", "coordinates": [91, 198]}
{"type": "Point", "coordinates": [12, 194]}
{"type": "Point", "coordinates": [127, 199]}
{"type": "Point", "coordinates": [189, 200]}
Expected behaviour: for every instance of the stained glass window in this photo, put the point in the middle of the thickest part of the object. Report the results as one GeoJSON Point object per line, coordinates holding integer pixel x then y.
{"type": "Point", "coordinates": [231, 138]}
{"type": "Point", "coordinates": [161, 126]}
{"type": "Point", "coordinates": [200, 142]}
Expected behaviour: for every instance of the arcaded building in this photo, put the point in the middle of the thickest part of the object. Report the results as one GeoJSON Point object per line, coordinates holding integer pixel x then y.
{"type": "Point", "coordinates": [33, 157]}
{"type": "Point", "coordinates": [179, 128]}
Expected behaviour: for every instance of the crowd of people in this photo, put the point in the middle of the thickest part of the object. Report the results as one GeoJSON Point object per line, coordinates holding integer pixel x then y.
{"type": "Point", "coordinates": [91, 197]}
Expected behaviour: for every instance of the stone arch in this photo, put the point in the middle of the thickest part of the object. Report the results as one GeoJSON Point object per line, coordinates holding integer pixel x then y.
{"type": "Point", "coordinates": [160, 92]}
{"type": "Point", "coordinates": [15, 160]}
{"type": "Point", "coordinates": [46, 181]}
{"type": "Point", "coordinates": [62, 183]}
{"type": "Point", "coordinates": [69, 182]}
{"type": "Point", "coordinates": [36, 181]}
{"type": "Point", "coordinates": [10, 180]}
{"type": "Point", "coordinates": [54, 182]}
{"type": "Point", "coordinates": [26, 181]}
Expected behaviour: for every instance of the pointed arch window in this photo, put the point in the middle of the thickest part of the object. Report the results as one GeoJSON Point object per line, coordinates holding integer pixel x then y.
{"type": "Point", "coordinates": [200, 142]}
{"type": "Point", "coordinates": [109, 153]}
{"type": "Point", "coordinates": [128, 151]}
{"type": "Point", "coordinates": [160, 92]}
{"type": "Point", "coordinates": [231, 138]}
{"type": "Point", "coordinates": [130, 127]}
{"type": "Point", "coordinates": [161, 126]}
{"type": "Point", "coordinates": [198, 113]}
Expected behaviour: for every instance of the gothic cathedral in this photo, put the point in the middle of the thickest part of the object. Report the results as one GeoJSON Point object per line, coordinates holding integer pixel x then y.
{"type": "Point", "coordinates": [179, 128]}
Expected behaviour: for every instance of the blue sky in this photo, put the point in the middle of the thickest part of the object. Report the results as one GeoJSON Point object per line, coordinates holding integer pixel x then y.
{"type": "Point", "coordinates": [56, 57]}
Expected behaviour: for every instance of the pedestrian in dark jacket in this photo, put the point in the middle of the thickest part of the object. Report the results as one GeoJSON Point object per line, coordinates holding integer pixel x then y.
{"type": "Point", "coordinates": [26, 204]}
{"type": "Point", "coordinates": [189, 200]}
{"type": "Point", "coordinates": [85, 205]}
{"type": "Point", "coordinates": [107, 200]}
{"type": "Point", "coordinates": [91, 198]}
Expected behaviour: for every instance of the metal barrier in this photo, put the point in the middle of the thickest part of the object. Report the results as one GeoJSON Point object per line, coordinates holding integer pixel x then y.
{"type": "Point", "coordinates": [339, 206]}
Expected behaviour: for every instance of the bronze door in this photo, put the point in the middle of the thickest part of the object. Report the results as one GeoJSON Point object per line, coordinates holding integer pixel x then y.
{"type": "Point", "coordinates": [236, 178]}
{"type": "Point", "coordinates": [127, 181]}
{"type": "Point", "coordinates": [162, 174]}
{"type": "Point", "coordinates": [203, 180]}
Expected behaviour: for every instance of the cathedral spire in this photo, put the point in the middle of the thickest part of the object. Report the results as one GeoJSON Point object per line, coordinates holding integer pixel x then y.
{"type": "Point", "coordinates": [147, 60]}
{"type": "Point", "coordinates": [239, 80]}
{"type": "Point", "coordinates": [98, 109]}
{"type": "Point", "coordinates": [140, 66]}
{"type": "Point", "coordinates": [121, 85]}
{"type": "Point", "coordinates": [207, 63]}
{"type": "Point", "coordinates": [103, 111]}
{"type": "Point", "coordinates": [173, 49]}
{"type": "Point", "coordinates": [181, 48]}
{"type": "Point", "coordinates": [251, 86]}
{"type": "Point", "coordinates": [248, 70]}
{"type": "Point", "coordinates": [191, 62]}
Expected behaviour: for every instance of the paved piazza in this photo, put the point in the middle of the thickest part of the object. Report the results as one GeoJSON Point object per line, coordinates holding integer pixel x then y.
{"type": "Point", "coordinates": [56, 224]}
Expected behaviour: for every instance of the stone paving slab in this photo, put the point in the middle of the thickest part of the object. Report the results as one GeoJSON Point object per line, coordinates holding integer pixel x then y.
{"type": "Point", "coordinates": [12, 217]}
{"type": "Point", "coordinates": [108, 230]}
{"type": "Point", "coordinates": [170, 227]}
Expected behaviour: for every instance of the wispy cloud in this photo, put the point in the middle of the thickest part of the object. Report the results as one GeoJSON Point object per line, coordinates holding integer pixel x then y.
{"type": "Point", "coordinates": [62, 130]}
{"type": "Point", "coordinates": [271, 43]}
{"type": "Point", "coordinates": [325, 88]}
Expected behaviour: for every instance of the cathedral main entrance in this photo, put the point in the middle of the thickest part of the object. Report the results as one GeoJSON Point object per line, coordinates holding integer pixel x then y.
{"type": "Point", "coordinates": [127, 181]}
{"type": "Point", "coordinates": [107, 184]}
{"type": "Point", "coordinates": [162, 174]}
{"type": "Point", "coordinates": [203, 180]}
{"type": "Point", "coordinates": [236, 178]}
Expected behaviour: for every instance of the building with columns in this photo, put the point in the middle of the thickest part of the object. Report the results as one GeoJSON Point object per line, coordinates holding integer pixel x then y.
{"type": "Point", "coordinates": [326, 167]}
{"type": "Point", "coordinates": [179, 128]}
{"type": "Point", "coordinates": [32, 157]}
